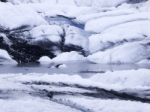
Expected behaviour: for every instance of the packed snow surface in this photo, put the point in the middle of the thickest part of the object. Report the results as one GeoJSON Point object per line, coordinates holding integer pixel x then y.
{"type": "Point", "coordinates": [74, 93]}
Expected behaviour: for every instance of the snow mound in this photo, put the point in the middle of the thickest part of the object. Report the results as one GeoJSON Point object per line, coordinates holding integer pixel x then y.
{"type": "Point", "coordinates": [114, 12]}
{"type": "Point", "coordinates": [45, 60]}
{"type": "Point", "coordinates": [99, 105]}
{"type": "Point", "coordinates": [116, 80]}
{"type": "Point", "coordinates": [124, 33]}
{"type": "Point", "coordinates": [126, 78]}
{"type": "Point", "coordinates": [5, 57]}
{"type": "Point", "coordinates": [30, 91]}
{"type": "Point", "coordinates": [4, 54]}
{"type": "Point", "coordinates": [68, 56]}
{"type": "Point", "coordinates": [145, 61]}
{"type": "Point", "coordinates": [127, 53]}
{"type": "Point", "coordinates": [101, 24]}
{"type": "Point", "coordinates": [30, 104]}
{"type": "Point", "coordinates": [17, 16]}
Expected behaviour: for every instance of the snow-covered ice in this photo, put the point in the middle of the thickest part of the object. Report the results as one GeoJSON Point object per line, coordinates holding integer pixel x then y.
{"type": "Point", "coordinates": [69, 56]}
{"type": "Point", "coordinates": [15, 16]}
{"type": "Point", "coordinates": [127, 53]}
{"type": "Point", "coordinates": [5, 57]}
{"type": "Point", "coordinates": [32, 104]}
{"type": "Point", "coordinates": [101, 26]}
{"type": "Point", "coordinates": [108, 31]}
{"type": "Point", "coordinates": [50, 32]}
{"type": "Point", "coordinates": [98, 105]}
{"type": "Point", "coordinates": [45, 60]}
{"type": "Point", "coordinates": [124, 33]}
{"type": "Point", "coordinates": [75, 94]}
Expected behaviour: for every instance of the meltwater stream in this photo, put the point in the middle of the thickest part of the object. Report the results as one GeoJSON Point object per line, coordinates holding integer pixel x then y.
{"type": "Point", "coordinates": [84, 69]}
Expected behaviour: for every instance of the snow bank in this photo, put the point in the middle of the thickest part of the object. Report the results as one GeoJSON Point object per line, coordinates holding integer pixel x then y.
{"type": "Point", "coordinates": [118, 80]}
{"type": "Point", "coordinates": [126, 78]}
{"type": "Point", "coordinates": [48, 10]}
{"type": "Point", "coordinates": [108, 3]}
{"type": "Point", "coordinates": [30, 104]}
{"type": "Point", "coordinates": [114, 12]}
{"type": "Point", "coordinates": [145, 6]}
{"type": "Point", "coordinates": [53, 2]}
{"type": "Point", "coordinates": [45, 60]}
{"type": "Point", "coordinates": [5, 58]}
{"type": "Point", "coordinates": [127, 53]}
{"type": "Point", "coordinates": [145, 61]}
{"type": "Point", "coordinates": [102, 3]}
{"type": "Point", "coordinates": [124, 33]}
{"type": "Point", "coordinates": [127, 31]}
{"type": "Point", "coordinates": [4, 55]}
{"type": "Point", "coordinates": [6, 85]}
{"type": "Point", "coordinates": [16, 16]}
{"type": "Point", "coordinates": [68, 56]}
{"type": "Point", "coordinates": [99, 105]}
{"type": "Point", "coordinates": [101, 24]}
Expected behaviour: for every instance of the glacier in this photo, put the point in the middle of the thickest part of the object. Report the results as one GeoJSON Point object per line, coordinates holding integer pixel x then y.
{"type": "Point", "coordinates": [97, 33]}
{"type": "Point", "coordinates": [74, 55]}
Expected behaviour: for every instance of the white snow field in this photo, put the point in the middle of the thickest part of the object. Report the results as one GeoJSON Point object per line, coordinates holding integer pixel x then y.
{"type": "Point", "coordinates": [65, 93]}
